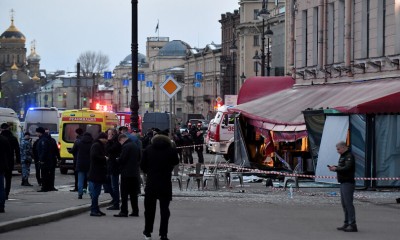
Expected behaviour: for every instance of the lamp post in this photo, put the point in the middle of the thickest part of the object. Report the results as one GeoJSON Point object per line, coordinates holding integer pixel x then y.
{"type": "Point", "coordinates": [264, 14]}
{"type": "Point", "coordinates": [154, 89]}
{"type": "Point", "coordinates": [233, 50]}
{"type": "Point", "coordinates": [269, 34]}
{"type": "Point", "coordinates": [256, 60]}
{"type": "Point", "coordinates": [134, 47]}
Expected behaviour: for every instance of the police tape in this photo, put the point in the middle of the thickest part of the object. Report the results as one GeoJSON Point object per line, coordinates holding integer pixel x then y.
{"type": "Point", "coordinates": [191, 146]}
{"type": "Point", "coordinates": [249, 170]}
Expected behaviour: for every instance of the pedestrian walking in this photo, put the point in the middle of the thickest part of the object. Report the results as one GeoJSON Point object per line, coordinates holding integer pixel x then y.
{"type": "Point", "coordinates": [129, 161]}
{"type": "Point", "coordinates": [113, 150]}
{"type": "Point", "coordinates": [81, 149]}
{"type": "Point", "coordinates": [5, 151]}
{"type": "Point", "coordinates": [15, 154]}
{"type": "Point", "coordinates": [45, 158]}
{"type": "Point", "coordinates": [345, 175]}
{"type": "Point", "coordinates": [158, 161]}
{"type": "Point", "coordinates": [97, 175]}
{"type": "Point", "coordinates": [26, 158]}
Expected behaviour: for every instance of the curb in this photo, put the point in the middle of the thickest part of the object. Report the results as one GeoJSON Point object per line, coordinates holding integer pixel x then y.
{"type": "Point", "coordinates": [46, 217]}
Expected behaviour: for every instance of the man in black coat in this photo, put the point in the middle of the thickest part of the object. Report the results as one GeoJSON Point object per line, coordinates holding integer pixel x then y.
{"type": "Point", "coordinates": [113, 150]}
{"type": "Point", "coordinates": [55, 156]}
{"type": "Point", "coordinates": [158, 161]}
{"type": "Point", "coordinates": [97, 175]}
{"type": "Point", "coordinates": [4, 152]}
{"type": "Point", "coordinates": [14, 153]}
{"type": "Point", "coordinates": [43, 148]}
{"type": "Point", "coordinates": [129, 161]}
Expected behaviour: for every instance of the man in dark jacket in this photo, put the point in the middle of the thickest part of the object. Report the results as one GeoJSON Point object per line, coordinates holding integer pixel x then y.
{"type": "Point", "coordinates": [79, 134]}
{"type": "Point", "coordinates": [4, 152]}
{"type": "Point", "coordinates": [129, 161]}
{"type": "Point", "coordinates": [15, 153]}
{"type": "Point", "coordinates": [113, 150]}
{"type": "Point", "coordinates": [345, 175]}
{"type": "Point", "coordinates": [97, 175]}
{"type": "Point", "coordinates": [81, 151]}
{"type": "Point", "coordinates": [43, 148]}
{"type": "Point", "coordinates": [158, 161]}
{"type": "Point", "coordinates": [198, 140]}
{"type": "Point", "coordinates": [55, 156]}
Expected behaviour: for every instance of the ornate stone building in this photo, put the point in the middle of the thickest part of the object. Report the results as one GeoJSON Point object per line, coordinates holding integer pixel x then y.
{"type": "Point", "coordinates": [19, 74]}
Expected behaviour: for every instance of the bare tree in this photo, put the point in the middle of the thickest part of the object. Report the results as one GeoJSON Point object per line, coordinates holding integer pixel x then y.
{"type": "Point", "coordinates": [92, 62]}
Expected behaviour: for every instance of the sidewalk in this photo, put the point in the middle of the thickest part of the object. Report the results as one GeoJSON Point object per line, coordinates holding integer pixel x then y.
{"type": "Point", "coordinates": [30, 208]}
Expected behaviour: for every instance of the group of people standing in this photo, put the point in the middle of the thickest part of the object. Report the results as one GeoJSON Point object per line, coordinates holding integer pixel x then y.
{"type": "Point", "coordinates": [187, 141]}
{"type": "Point", "coordinates": [113, 161]}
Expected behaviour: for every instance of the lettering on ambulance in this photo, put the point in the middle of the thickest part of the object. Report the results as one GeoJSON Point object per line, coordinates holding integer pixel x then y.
{"type": "Point", "coordinates": [82, 119]}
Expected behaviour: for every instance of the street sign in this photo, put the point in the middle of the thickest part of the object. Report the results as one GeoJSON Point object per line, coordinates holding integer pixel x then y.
{"type": "Point", "coordinates": [149, 83]}
{"type": "Point", "coordinates": [107, 75]}
{"type": "Point", "coordinates": [218, 99]}
{"type": "Point", "coordinates": [197, 84]}
{"type": "Point", "coordinates": [141, 76]}
{"type": "Point", "coordinates": [198, 75]}
{"type": "Point", "coordinates": [125, 82]}
{"type": "Point", "coordinates": [170, 87]}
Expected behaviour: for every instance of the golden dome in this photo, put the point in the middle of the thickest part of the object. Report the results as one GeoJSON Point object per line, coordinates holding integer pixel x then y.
{"type": "Point", "coordinates": [12, 34]}
{"type": "Point", "coordinates": [14, 67]}
{"type": "Point", "coordinates": [35, 78]}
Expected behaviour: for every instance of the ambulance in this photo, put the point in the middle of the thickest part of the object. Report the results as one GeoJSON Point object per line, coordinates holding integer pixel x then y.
{"type": "Point", "coordinates": [92, 121]}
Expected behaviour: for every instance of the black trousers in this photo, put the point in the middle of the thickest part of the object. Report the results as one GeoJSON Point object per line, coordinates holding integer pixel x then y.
{"type": "Point", "coordinates": [129, 187]}
{"type": "Point", "coordinates": [46, 177]}
{"type": "Point", "coordinates": [38, 174]}
{"type": "Point", "coordinates": [199, 150]}
{"type": "Point", "coordinates": [7, 177]}
{"type": "Point", "coordinates": [150, 203]}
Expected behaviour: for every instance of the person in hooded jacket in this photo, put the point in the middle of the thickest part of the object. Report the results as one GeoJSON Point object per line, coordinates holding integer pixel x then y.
{"type": "Point", "coordinates": [158, 161]}
{"type": "Point", "coordinates": [129, 161]}
{"type": "Point", "coordinates": [15, 152]}
{"type": "Point", "coordinates": [82, 152]}
{"type": "Point", "coordinates": [97, 175]}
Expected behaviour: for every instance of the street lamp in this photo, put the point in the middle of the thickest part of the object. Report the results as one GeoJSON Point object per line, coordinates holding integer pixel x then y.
{"type": "Point", "coordinates": [269, 35]}
{"type": "Point", "coordinates": [134, 48]}
{"type": "Point", "coordinates": [256, 60]}
{"type": "Point", "coordinates": [233, 50]}
{"type": "Point", "coordinates": [154, 89]}
{"type": "Point", "coordinates": [264, 14]}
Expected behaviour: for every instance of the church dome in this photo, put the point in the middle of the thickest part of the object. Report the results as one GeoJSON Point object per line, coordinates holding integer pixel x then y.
{"type": "Point", "coordinates": [128, 59]}
{"type": "Point", "coordinates": [174, 48]}
{"type": "Point", "coordinates": [12, 34]}
{"type": "Point", "coordinates": [33, 57]}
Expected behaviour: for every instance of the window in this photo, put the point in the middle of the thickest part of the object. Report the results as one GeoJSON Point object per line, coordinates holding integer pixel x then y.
{"type": "Point", "coordinates": [380, 48]}
{"type": "Point", "coordinates": [255, 17]}
{"type": "Point", "coordinates": [340, 31]}
{"type": "Point", "coordinates": [315, 36]}
{"type": "Point", "coordinates": [256, 40]}
{"type": "Point", "coordinates": [365, 34]}
{"type": "Point", "coordinates": [304, 38]}
{"type": "Point", "coordinates": [331, 33]}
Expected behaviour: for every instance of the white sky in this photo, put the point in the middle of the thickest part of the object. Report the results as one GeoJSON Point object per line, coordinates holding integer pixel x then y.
{"type": "Point", "coordinates": [65, 28]}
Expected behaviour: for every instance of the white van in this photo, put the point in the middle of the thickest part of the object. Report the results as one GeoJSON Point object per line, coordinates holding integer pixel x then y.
{"type": "Point", "coordinates": [9, 116]}
{"type": "Point", "coordinates": [220, 134]}
{"type": "Point", "coordinates": [46, 117]}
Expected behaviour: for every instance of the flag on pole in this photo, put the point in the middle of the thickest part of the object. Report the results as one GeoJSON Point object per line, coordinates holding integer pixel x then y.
{"type": "Point", "coordinates": [157, 26]}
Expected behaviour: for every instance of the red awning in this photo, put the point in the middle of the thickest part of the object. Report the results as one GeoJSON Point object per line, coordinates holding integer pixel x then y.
{"type": "Point", "coordinates": [256, 87]}
{"type": "Point", "coordinates": [282, 111]}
